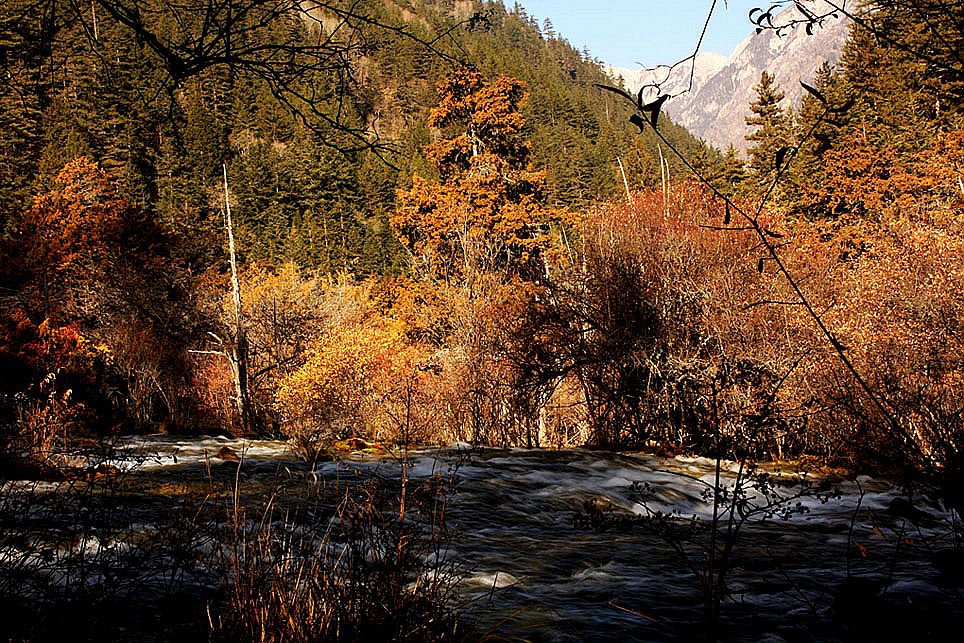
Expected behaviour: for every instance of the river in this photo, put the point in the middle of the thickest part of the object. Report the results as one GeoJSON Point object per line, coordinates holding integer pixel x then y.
{"type": "Point", "coordinates": [537, 570]}
{"type": "Point", "coordinates": [556, 546]}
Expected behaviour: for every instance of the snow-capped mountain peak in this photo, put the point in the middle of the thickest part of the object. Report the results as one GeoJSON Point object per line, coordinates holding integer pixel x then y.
{"type": "Point", "coordinates": [715, 106]}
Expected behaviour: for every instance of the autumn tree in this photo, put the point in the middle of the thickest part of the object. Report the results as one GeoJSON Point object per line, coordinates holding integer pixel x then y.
{"type": "Point", "coordinates": [483, 213]}
{"type": "Point", "coordinates": [81, 249]}
{"type": "Point", "coordinates": [84, 261]}
{"type": "Point", "coordinates": [481, 236]}
{"type": "Point", "coordinates": [94, 317]}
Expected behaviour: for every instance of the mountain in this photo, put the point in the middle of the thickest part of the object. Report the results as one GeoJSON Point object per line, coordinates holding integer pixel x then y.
{"type": "Point", "coordinates": [672, 80]}
{"type": "Point", "coordinates": [723, 87]}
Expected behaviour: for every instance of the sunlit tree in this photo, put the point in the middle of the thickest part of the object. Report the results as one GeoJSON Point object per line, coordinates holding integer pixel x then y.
{"type": "Point", "coordinates": [483, 213]}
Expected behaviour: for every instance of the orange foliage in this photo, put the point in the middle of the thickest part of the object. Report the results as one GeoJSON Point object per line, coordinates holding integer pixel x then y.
{"type": "Point", "coordinates": [484, 213]}
{"type": "Point", "coordinates": [867, 190]}
{"type": "Point", "coordinates": [81, 248]}
{"type": "Point", "coordinates": [672, 336]}
{"type": "Point", "coordinates": [67, 234]}
{"type": "Point", "coordinates": [900, 314]}
{"type": "Point", "coordinates": [57, 380]}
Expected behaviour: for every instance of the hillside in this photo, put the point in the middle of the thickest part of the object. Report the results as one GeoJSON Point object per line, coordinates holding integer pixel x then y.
{"type": "Point", "coordinates": [307, 188]}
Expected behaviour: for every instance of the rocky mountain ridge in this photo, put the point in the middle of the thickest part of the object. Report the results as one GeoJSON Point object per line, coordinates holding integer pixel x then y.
{"type": "Point", "coordinates": [715, 105]}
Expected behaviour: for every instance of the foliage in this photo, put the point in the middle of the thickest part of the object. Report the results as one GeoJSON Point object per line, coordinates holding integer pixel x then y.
{"type": "Point", "coordinates": [303, 194]}
{"type": "Point", "coordinates": [483, 215]}
{"type": "Point", "coordinates": [86, 269]}
{"type": "Point", "coordinates": [771, 133]}
{"type": "Point", "coordinates": [351, 385]}
{"type": "Point", "coordinates": [56, 385]}
{"type": "Point", "coordinates": [672, 348]}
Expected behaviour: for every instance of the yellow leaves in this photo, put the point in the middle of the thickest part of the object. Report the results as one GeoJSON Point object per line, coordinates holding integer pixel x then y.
{"type": "Point", "coordinates": [349, 381]}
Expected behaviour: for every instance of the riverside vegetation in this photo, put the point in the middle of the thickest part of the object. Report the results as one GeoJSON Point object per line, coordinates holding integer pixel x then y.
{"type": "Point", "coordinates": [491, 283]}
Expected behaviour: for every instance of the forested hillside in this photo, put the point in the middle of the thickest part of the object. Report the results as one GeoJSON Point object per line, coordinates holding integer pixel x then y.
{"type": "Point", "coordinates": [314, 157]}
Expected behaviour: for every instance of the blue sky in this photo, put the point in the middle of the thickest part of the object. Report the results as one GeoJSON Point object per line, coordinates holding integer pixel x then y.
{"type": "Point", "coordinates": [634, 33]}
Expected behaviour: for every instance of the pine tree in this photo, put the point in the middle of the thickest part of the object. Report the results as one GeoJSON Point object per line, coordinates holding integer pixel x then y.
{"type": "Point", "coordinates": [816, 132]}
{"type": "Point", "coordinates": [907, 74]}
{"type": "Point", "coordinates": [724, 171]}
{"type": "Point", "coordinates": [772, 129]}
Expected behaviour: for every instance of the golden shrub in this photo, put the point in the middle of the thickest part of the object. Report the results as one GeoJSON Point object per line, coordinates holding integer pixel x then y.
{"type": "Point", "coordinates": [362, 380]}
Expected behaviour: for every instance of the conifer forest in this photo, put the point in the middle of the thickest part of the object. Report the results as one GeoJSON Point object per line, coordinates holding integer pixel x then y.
{"type": "Point", "coordinates": [406, 320]}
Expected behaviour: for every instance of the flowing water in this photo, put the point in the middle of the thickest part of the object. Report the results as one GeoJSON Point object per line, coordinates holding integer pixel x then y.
{"type": "Point", "coordinates": [554, 545]}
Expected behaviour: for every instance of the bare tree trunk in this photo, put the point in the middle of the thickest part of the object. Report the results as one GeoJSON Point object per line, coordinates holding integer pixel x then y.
{"type": "Point", "coordinates": [238, 352]}
{"type": "Point", "coordinates": [629, 197]}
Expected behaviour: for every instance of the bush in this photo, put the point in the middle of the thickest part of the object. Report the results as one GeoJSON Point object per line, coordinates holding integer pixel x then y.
{"type": "Point", "coordinates": [56, 384]}
{"type": "Point", "coordinates": [360, 380]}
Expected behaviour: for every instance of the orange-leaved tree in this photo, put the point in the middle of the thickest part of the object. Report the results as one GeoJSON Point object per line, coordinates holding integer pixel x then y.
{"type": "Point", "coordinates": [64, 242]}
{"type": "Point", "coordinates": [483, 214]}
{"type": "Point", "coordinates": [83, 264]}
{"type": "Point", "coordinates": [482, 244]}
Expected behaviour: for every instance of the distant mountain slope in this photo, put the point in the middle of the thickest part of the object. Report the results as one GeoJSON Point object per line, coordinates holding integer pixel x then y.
{"type": "Point", "coordinates": [673, 80]}
{"type": "Point", "coordinates": [723, 87]}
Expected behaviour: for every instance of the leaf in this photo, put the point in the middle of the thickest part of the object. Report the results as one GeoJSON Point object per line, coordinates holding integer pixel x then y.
{"type": "Point", "coordinates": [814, 92]}
{"type": "Point", "coordinates": [616, 90]}
{"type": "Point", "coordinates": [636, 120]}
{"type": "Point", "coordinates": [782, 155]}
{"type": "Point", "coordinates": [845, 107]}
{"type": "Point", "coordinates": [654, 108]}
{"type": "Point", "coordinates": [823, 141]}
{"type": "Point", "coordinates": [759, 264]}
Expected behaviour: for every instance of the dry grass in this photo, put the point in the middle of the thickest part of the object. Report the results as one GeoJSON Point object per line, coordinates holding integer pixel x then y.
{"type": "Point", "coordinates": [369, 567]}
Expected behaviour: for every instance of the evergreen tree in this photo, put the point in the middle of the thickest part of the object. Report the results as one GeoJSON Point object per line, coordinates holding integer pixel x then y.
{"type": "Point", "coordinates": [816, 132]}
{"type": "Point", "coordinates": [772, 129]}
{"type": "Point", "coordinates": [22, 97]}
{"type": "Point", "coordinates": [909, 83]}
{"type": "Point", "coordinates": [725, 172]}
